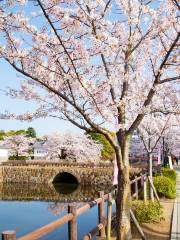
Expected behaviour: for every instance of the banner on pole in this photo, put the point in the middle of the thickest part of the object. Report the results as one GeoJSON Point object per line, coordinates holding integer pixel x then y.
{"type": "Point", "coordinates": [115, 177]}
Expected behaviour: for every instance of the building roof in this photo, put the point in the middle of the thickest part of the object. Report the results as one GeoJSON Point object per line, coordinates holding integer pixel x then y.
{"type": "Point", "coordinates": [39, 145]}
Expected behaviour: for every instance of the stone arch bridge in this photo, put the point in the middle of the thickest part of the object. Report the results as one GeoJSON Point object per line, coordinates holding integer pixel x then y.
{"type": "Point", "coordinates": [41, 173]}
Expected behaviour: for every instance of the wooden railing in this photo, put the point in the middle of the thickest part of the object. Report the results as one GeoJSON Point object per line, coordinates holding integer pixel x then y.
{"type": "Point", "coordinates": [137, 184]}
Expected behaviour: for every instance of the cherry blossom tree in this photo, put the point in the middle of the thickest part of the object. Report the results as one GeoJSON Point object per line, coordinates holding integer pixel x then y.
{"type": "Point", "coordinates": [100, 64]}
{"type": "Point", "coordinates": [171, 138]}
{"type": "Point", "coordinates": [19, 145]}
{"type": "Point", "coordinates": [77, 148]}
{"type": "Point", "coordinates": [172, 143]}
{"type": "Point", "coordinates": [151, 130]}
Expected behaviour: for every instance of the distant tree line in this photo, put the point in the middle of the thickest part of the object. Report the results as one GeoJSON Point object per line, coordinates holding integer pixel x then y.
{"type": "Point", "coordinates": [107, 152]}
{"type": "Point", "coordinates": [30, 132]}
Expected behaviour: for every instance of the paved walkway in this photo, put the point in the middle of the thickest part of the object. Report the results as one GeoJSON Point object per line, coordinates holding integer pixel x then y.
{"type": "Point", "coordinates": [175, 231]}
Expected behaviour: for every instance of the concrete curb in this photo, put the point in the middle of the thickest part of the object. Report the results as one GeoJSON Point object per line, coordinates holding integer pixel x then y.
{"type": "Point", "coordinates": [175, 228]}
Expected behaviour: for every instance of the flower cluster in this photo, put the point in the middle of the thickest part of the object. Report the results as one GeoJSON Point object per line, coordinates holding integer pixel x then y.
{"type": "Point", "coordinates": [77, 148]}
{"type": "Point", "coordinates": [90, 59]}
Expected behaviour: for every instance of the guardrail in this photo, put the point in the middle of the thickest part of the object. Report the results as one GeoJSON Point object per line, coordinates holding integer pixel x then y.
{"type": "Point", "coordinates": [104, 225]}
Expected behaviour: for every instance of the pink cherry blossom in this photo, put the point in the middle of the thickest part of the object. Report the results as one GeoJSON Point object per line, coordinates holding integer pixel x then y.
{"type": "Point", "coordinates": [102, 65]}
{"type": "Point", "coordinates": [18, 144]}
{"type": "Point", "coordinates": [78, 148]}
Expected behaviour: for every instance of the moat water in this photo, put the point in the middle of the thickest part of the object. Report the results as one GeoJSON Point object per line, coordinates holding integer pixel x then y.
{"type": "Point", "coordinates": [26, 207]}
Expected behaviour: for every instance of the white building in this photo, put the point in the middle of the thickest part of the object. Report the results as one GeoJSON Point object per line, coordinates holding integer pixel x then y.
{"type": "Point", "coordinates": [4, 153]}
{"type": "Point", "coordinates": [40, 151]}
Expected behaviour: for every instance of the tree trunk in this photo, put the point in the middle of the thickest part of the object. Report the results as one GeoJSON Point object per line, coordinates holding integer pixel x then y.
{"type": "Point", "coordinates": [123, 206]}
{"type": "Point", "coordinates": [123, 200]}
{"type": "Point", "coordinates": [150, 174]}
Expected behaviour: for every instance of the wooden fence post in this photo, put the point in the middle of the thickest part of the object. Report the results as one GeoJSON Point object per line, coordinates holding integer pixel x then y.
{"type": "Point", "coordinates": [137, 225]}
{"type": "Point", "coordinates": [145, 189]}
{"type": "Point", "coordinates": [101, 214]}
{"type": "Point", "coordinates": [9, 235]}
{"type": "Point", "coordinates": [109, 216]}
{"type": "Point", "coordinates": [72, 225]}
{"type": "Point", "coordinates": [153, 188]}
{"type": "Point", "coordinates": [136, 187]}
{"type": "Point", "coordinates": [151, 175]}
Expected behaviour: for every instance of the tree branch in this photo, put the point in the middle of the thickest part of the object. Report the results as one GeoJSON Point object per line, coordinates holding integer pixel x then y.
{"type": "Point", "coordinates": [169, 79]}
{"type": "Point", "coordinates": [152, 90]}
{"type": "Point", "coordinates": [67, 53]}
{"type": "Point", "coordinates": [66, 99]}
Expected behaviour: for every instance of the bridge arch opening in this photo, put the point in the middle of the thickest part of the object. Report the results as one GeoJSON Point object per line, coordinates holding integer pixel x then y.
{"type": "Point", "coordinates": [65, 178]}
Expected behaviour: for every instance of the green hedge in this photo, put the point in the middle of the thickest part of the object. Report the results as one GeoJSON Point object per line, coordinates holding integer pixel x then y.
{"type": "Point", "coordinates": [164, 187]}
{"type": "Point", "coordinates": [147, 211]}
{"type": "Point", "coordinates": [19, 158]}
{"type": "Point", "coordinates": [169, 173]}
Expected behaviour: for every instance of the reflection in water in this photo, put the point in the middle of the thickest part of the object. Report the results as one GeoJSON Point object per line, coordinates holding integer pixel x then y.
{"type": "Point", "coordinates": [56, 208]}
{"type": "Point", "coordinates": [51, 203]}
{"type": "Point", "coordinates": [58, 195]}
{"type": "Point", "coordinates": [50, 192]}
{"type": "Point", "coordinates": [65, 188]}
{"type": "Point", "coordinates": [65, 177]}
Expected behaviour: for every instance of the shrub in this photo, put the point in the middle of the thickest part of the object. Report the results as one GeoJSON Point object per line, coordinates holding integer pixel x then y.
{"type": "Point", "coordinates": [169, 173]}
{"type": "Point", "coordinates": [164, 186]}
{"type": "Point", "coordinates": [19, 158]}
{"type": "Point", "coordinates": [147, 211]}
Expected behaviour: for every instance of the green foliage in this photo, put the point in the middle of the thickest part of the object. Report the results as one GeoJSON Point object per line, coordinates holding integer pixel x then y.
{"type": "Point", "coordinates": [2, 134]}
{"type": "Point", "coordinates": [9, 133]}
{"type": "Point", "coordinates": [169, 173]}
{"type": "Point", "coordinates": [19, 158]}
{"type": "Point", "coordinates": [31, 132]}
{"type": "Point", "coordinates": [19, 132]}
{"type": "Point", "coordinates": [12, 132]}
{"type": "Point", "coordinates": [147, 211]}
{"type": "Point", "coordinates": [164, 187]}
{"type": "Point", "coordinates": [107, 151]}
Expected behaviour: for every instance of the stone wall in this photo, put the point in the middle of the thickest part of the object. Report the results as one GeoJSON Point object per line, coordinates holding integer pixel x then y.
{"type": "Point", "coordinates": [45, 174]}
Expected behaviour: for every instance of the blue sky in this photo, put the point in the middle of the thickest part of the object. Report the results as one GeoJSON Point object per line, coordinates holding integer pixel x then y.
{"type": "Point", "coordinates": [9, 77]}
